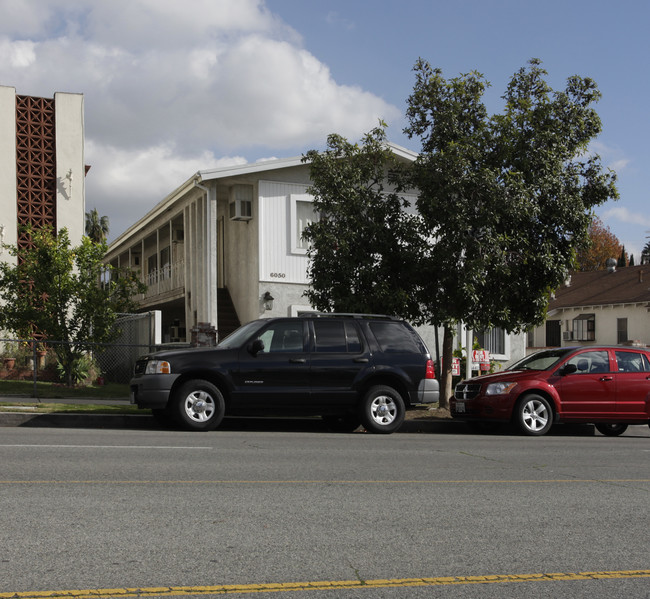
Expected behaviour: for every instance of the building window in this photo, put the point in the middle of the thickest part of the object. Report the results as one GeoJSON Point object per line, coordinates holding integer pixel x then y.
{"type": "Point", "coordinates": [621, 330]}
{"type": "Point", "coordinates": [302, 215]}
{"type": "Point", "coordinates": [493, 340]}
{"type": "Point", "coordinates": [584, 327]}
{"type": "Point", "coordinates": [553, 333]}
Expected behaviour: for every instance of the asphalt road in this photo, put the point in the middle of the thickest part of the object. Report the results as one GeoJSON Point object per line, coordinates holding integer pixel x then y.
{"type": "Point", "coordinates": [358, 515]}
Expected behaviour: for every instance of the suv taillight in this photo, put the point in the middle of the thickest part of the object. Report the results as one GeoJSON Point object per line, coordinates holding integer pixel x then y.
{"type": "Point", "coordinates": [430, 372]}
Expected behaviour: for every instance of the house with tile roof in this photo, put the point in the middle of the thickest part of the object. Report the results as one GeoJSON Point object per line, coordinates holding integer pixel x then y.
{"type": "Point", "coordinates": [602, 307]}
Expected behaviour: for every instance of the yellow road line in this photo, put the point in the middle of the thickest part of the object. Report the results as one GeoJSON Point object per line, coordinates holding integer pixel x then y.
{"type": "Point", "coordinates": [324, 585]}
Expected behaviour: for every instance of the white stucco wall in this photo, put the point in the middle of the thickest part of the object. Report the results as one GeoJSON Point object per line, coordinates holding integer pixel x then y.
{"type": "Point", "coordinates": [8, 211]}
{"type": "Point", "coordinates": [70, 168]}
{"type": "Point", "coordinates": [638, 324]}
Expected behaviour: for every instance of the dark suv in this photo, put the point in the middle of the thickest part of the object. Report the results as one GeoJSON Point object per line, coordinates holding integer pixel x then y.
{"type": "Point", "coordinates": [351, 369]}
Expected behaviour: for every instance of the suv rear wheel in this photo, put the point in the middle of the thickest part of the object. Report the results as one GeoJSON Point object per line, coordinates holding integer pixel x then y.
{"type": "Point", "coordinates": [199, 405]}
{"type": "Point", "coordinates": [382, 410]}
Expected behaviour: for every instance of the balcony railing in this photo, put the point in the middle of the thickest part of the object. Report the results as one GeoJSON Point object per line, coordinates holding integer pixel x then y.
{"type": "Point", "coordinates": [167, 278]}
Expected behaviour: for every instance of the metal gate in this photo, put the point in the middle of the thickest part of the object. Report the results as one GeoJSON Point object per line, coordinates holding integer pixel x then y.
{"type": "Point", "coordinates": [139, 334]}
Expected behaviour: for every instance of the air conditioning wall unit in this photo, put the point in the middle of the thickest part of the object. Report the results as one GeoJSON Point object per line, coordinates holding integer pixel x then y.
{"type": "Point", "coordinates": [567, 336]}
{"type": "Point", "coordinates": [241, 202]}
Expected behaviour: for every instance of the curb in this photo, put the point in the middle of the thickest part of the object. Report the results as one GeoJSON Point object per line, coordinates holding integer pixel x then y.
{"type": "Point", "coordinates": [130, 421]}
{"type": "Point", "coordinates": [148, 422]}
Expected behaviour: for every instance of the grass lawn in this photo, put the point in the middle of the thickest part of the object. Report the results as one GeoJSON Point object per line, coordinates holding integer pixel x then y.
{"type": "Point", "coordinates": [49, 391]}
{"type": "Point", "coordinates": [61, 408]}
{"type": "Point", "coordinates": [57, 391]}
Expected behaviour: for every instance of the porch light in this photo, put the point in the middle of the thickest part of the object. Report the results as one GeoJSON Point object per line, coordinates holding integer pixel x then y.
{"type": "Point", "coordinates": [268, 301]}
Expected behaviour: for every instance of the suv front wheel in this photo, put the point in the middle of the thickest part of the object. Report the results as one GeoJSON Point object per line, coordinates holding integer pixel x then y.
{"type": "Point", "coordinates": [382, 410]}
{"type": "Point", "coordinates": [199, 405]}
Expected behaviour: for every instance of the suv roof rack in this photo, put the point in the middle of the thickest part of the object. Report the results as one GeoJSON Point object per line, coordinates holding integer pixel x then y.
{"type": "Point", "coordinates": [347, 315]}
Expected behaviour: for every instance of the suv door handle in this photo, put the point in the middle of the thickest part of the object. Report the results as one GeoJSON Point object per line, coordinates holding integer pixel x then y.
{"type": "Point", "coordinates": [297, 361]}
{"type": "Point", "coordinates": [606, 378]}
{"type": "Point", "coordinates": [361, 360]}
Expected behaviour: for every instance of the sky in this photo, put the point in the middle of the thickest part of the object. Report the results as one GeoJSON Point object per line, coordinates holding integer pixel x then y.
{"type": "Point", "coordinates": [172, 87]}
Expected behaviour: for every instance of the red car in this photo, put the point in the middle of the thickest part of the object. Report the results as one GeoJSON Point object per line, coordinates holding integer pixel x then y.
{"type": "Point", "coordinates": [606, 386]}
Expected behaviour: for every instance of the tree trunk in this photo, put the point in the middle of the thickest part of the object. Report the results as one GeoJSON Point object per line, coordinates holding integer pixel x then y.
{"type": "Point", "coordinates": [446, 390]}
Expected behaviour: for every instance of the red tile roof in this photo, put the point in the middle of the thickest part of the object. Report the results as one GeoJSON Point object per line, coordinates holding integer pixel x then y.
{"type": "Point", "coordinates": [600, 287]}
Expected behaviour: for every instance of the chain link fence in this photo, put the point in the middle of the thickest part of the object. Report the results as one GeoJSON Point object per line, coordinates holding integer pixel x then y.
{"type": "Point", "coordinates": [36, 359]}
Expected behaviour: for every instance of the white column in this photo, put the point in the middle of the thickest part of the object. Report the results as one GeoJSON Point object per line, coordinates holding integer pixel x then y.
{"type": "Point", "coordinates": [469, 338]}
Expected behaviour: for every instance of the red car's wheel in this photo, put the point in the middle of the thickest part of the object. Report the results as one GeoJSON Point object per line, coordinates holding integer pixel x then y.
{"type": "Point", "coordinates": [533, 415]}
{"type": "Point", "coordinates": [611, 430]}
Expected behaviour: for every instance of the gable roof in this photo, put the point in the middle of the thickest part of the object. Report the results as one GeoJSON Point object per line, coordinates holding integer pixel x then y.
{"type": "Point", "coordinates": [627, 285]}
{"type": "Point", "coordinates": [226, 172]}
{"type": "Point", "coordinates": [278, 163]}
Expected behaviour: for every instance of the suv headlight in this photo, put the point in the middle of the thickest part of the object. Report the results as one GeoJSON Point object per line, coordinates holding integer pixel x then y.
{"type": "Point", "coordinates": [499, 388]}
{"type": "Point", "coordinates": [158, 367]}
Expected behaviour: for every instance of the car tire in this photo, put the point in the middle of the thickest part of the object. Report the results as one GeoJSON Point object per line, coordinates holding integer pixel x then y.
{"type": "Point", "coordinates": [199, 405]}
{"type": "Point", "coordinates": [611, 430]}
{"type": "Point", "coordinates": [342, 423]}
{"type": "Point", "coordinates": [382, 410]}
{"type": "Point", "coordinates": [533, 415]}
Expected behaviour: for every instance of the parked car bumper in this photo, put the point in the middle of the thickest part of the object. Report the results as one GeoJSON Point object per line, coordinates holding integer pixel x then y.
{"type": "Point", "coordinates": [493, 408]}
{"type": "Point", "coordinates": [152, 391]}
{"type": "Point", "coordinates": [428, 391]}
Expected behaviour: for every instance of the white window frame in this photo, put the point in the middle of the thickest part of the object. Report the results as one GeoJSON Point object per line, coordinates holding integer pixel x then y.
{"type": "Point", "coordinates": [506, 347]}
{"type": "Point", "coordinates": [296, 241]}
{"type": "Point", "coordinates": [584, 327]}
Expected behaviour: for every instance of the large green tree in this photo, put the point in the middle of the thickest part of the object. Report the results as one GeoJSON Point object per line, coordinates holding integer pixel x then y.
{"type": "Point", "coordinates": [508, 197]}
{"type": "Point", "coordinates": [364, 248]}
{"type": "Point", "coordinates": [63, 294]}
{"type": "Point", "coordinates": [504, 201]}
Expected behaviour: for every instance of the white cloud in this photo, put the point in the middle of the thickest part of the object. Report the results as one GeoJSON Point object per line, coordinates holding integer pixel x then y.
{"type": "Point", "coordinates": [125, 184]}
{"type": "Point", "coordinates": [612, 157]}
{"type": "Point", "coordinates": [624, 215]}
{"type": "Point", "coordinates": [169, 86]}
{"type": "Point", "coordinates": [18, 54]}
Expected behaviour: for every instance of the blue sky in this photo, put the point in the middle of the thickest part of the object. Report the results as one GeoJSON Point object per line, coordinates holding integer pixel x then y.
{"type": "Point", "coordinates": [375, 45]}
{"type": "Point", "coordinates": [174, 87]}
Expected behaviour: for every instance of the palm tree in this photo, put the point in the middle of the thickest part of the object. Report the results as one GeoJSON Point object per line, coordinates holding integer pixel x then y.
{"type": "Point", "coordinates": [96, 226]}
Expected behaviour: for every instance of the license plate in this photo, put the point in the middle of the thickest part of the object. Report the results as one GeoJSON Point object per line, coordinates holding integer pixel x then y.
{"type": "Point", "coordinates": [460, 407]}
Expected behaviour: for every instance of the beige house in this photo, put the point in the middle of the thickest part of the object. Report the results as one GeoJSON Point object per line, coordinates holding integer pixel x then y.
{"type": "Point", "coordinates": [603, 307]}
{"type": "Point", "coordinates": [217, 249]}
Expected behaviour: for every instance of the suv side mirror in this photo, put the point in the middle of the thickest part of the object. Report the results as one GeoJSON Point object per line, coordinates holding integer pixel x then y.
{"type": "Point", "coordinates": [256, 347]}
{"type": "Point", "coordinates": [568, 369]}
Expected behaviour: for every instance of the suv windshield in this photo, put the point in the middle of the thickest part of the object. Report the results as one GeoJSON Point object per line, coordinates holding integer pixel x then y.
{"type": "Point", "coordinates": [543, 360]}
{"type": "Point", "coordinates": [236, 338]}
